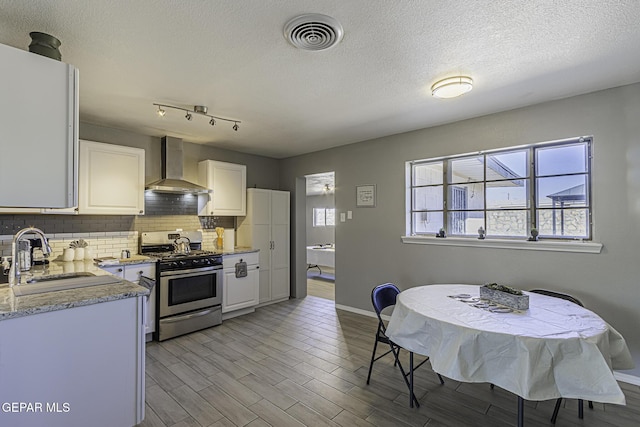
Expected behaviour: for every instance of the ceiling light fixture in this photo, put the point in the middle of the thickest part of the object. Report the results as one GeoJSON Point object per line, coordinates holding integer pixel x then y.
{"type": "Point", "coordinates": [197, 109]}
{"type": "Point", "coordinates": [452, 87]}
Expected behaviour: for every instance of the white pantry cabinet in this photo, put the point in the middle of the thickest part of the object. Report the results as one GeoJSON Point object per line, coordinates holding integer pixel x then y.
{"type": "Point", "coordinates": [39, 131]}
{"type": "Point", "coordinates": [84, 365]}
{"type": "Point", "coordinates": [111, 179]}
{"type": "Point", "coordinates": [266, 227]}
{"type": "Point", "coordinates": [240, 292]}
{"type": "Point", "coordinates": [132, 273]}
{"type": "Point", "coordinates": [229, 184]}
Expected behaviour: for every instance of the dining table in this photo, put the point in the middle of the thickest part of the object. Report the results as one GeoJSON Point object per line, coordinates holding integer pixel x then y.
{"type": "Point", "coordinates": [553, 349]}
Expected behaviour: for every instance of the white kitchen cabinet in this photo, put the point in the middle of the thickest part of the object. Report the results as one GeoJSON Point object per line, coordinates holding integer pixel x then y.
{"type": "Point", "coordinates": [132, 273]}
{"type": "Point", "coordinates": [39, 131]}
{"type": "Point", "coordinates": [111, 179]}
{"type": "Point", "coordinates": [266, 227]}
{"type": "Point", "coordinates": [240, 292]}
{"type": "Point", "coordinates": [85, 365]}
{"type": "Point", "coordinates": [229, 184]}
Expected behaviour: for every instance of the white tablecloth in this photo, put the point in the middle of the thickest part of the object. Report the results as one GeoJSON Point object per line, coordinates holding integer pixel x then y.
{"type": "Point", "coordinates": [554, 349]}
{"type": "Point", "coordinates": [323, 256]}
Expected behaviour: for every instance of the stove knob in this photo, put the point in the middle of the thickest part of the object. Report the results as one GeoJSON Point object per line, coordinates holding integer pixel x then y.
{"type": "Point", "coordinates": [182, 263]}
{"type": "Point", "coordinates": [173, 264]}
{"type": "Point", "coordinates": [195, 262]}
{"type": "Point", "coordinates": [207, 261]}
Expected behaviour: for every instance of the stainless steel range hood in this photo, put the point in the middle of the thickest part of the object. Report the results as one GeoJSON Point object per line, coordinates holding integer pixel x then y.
{"type": "Point", "coordinates": [172, 169]}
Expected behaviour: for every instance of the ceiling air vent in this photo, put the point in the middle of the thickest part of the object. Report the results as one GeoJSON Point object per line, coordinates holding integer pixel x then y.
{"type": "Point", "coordinates": [313, 32]}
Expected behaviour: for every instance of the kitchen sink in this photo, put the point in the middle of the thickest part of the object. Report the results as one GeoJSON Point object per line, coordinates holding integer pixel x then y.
{"type": "Point", "coordinates": [61, 282]}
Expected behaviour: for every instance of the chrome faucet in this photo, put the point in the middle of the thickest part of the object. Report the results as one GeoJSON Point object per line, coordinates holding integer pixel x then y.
{"type": "Point", "coordinates": [14, 274]}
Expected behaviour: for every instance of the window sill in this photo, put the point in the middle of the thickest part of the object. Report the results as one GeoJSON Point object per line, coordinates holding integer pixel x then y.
{"type": "Point", "coordinates": [541, 245]}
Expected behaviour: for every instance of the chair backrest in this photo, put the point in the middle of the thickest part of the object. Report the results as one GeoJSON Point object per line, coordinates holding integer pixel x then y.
{"type": "Point", "coordinates": [558, 295]}
{"type": "Point", "coordinates": [383, 296]}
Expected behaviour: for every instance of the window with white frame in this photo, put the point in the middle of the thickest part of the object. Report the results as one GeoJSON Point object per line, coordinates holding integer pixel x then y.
{"type": "Point", "coordinates": [323, 217]}
{"type": "Point", "coordinates": [507, 192]}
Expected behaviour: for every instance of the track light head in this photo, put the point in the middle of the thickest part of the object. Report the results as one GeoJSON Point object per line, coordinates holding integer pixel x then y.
{"type": "Point", "coordinates": [188, 116]}
{"type": "Point", "coordinates": [235, 127]}
{"type": "Point", "coordinates": [212, 122]}
{"type": "Point", "coordinates": [161, 112]}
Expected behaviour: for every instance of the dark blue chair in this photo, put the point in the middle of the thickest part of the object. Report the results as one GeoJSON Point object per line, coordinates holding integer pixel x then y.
{"type": "Point", "coordinates": [383, 296]}
{"type": "Point", "coordinates": [574, 300]}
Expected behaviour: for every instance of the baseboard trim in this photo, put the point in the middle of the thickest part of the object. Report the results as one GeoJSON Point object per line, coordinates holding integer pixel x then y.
{"type": "Point", "coordinates": [625, 378]}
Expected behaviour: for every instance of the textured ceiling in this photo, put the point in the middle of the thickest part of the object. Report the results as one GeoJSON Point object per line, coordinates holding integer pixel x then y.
{"type": "Point", "coordinates": [232, 57]}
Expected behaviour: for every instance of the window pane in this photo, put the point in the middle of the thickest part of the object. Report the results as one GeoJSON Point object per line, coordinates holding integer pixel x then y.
{"type": "Point", "coordinates": [465, 223]}
{"type": "Point", "coordinates": [427, 198]}
{"type": "Point", "coordinates": [467, 169]}
{"type": "Point", "coordinates": [427, 174]}
{"type": "Point", "coordinates": [466, 196]}
{"type": "Point", "coordinates": [508, 194]}
{"type": "Point", "coordinates": [507, 223]}
{"type": "Point", "coordinates": [507, 165]}
{"type": "Point", "coordinates": [427, 222]}
{"type": "Point", "coordinates": [330, 217]}
{"type": "Point", "coordinates": [318, 217]}
{"type": "Point", "coordinates": [562, 191]}
{"type": "Point", "coordinates": [562, 160]}
{"type": "Point", "coordinates": [563, 222]}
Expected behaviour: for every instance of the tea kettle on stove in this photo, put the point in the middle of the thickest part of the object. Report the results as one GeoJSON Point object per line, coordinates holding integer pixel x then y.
{"type": "Point", "coordinates": [182, 245]}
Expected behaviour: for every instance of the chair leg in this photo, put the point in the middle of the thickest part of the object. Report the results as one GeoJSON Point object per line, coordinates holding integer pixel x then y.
{"type": "Point", "coordinates": [555, 410]}
{"type": "Point", "coordinates": [590, 405]}
{"type": "Point", "coordinates": [411, 379]}
{"type": "Point", "coordinates": [441, 380]}
{"type": "Point", "coordinates": [373, 358]}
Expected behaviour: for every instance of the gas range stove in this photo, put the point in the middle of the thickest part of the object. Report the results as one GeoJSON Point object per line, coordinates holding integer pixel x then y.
{"type": "Point", "coordinates": [188, 282]}
{"type": "Point", "coordinates": [159, 244]}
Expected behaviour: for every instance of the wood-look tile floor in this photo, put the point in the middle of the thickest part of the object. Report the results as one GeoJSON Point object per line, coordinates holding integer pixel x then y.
{"type": "Point", "coordinates": [304, 363]}
{"type": "Point", "coordinates": [321, 288]}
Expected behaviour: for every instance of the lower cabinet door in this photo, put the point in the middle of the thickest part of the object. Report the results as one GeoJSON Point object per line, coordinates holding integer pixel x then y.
{"type": "Point", "coordinates": [240, 292]}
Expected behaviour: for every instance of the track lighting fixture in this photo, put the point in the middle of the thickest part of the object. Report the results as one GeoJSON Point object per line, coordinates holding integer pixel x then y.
{"type": "Point", "coordinates": [197, 109]}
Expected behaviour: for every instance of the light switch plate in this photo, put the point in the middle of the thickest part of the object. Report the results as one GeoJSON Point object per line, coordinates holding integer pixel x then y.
{"type": "Point", "coordinates": [343, 217]}
{"type": "Point", "coordinates": [349, 214]}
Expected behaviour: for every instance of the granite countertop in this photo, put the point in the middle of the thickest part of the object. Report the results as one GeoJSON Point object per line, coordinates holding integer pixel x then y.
{"type": "Point", "coordinates": [237, 250]}
{"type": "Point", "coordinates": [12, 306]}
{"type": "Point", "coordinates": [135, 259]}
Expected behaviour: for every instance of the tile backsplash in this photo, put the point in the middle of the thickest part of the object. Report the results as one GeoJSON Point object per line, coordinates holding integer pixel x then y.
{"type": "Point", "coordinates": [106, 235]}
{"type": "Point", "coordinates": [101, 244]}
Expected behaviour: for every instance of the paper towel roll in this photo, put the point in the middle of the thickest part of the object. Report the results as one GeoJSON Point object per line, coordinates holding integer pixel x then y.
{"type": "Point", "coordinates": [229, 239]}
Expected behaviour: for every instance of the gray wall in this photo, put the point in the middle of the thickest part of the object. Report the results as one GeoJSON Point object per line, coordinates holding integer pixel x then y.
{"type": "Point", "coordinates": [608, 283]}
{"type": "Point", "coordinates": [319, 234]}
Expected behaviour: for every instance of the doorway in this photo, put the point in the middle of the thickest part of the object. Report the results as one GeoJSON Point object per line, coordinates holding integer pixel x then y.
{"type": "Point", "coordinates": [320, 235]}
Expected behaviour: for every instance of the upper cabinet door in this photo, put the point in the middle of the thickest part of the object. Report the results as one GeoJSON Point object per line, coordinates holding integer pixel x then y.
{"type": "Point", "coordinates": [229, 184]}
{"type": "Point", "coordinates": [111, 179]}
{"type": "Point", "coordinates": [38, 130]}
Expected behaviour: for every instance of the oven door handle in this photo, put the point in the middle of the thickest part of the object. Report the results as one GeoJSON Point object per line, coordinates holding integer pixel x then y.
{"type": "Point", "coordinates": [186, 316]}
{"type": "Point", "coordinates": [197, 270]}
